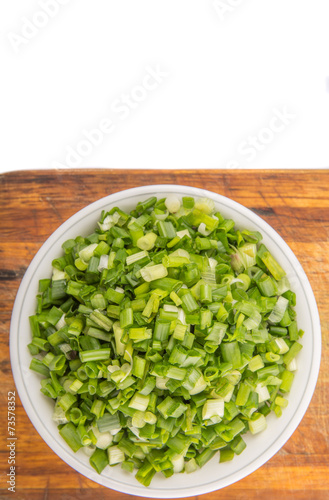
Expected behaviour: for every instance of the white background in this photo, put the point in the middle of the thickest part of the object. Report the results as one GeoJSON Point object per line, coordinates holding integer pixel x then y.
{"type": "Point", "coordinates": [229, 74]}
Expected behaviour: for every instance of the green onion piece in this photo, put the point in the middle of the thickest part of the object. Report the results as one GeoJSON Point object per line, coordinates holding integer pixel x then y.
{"type": "Point", "coordinates": [243, 394]}
{"type": "Point", "coordinates": [205, 293]}
{"type": "Point", "coordinates": [256, 363]}
{"type": "Point", "coordinates": [170, 407]}
{"type": "Point", "coordinates": [293, 351]}
{"type": "Point", "coordinates": [136, 257]}
{"type": "Point", "coordinates": [174, 297]}
{"type": "Point", "coordinates": [178, 355]}
{"type": "Point", "coordinates": [175, 373]}
{"type": "Point", "coordinates": [108, 422]}
{"type": "Point", "coordinates": [138, 334]}
{"type": "Point", "coordinates": [115, 455]}
{"type": "Point", "coordinates": [128, 465]}
{"type": "Point", "coordinates": [287, 378]}
{"type": "Point", "coordinates": [139, 402]}
{"type": "Point", "coordinates": [114, 296]}
{"type": "Point", "coordinates": [188, 202]}
{"type": "Point", "coordinates": [166, 229]}
{"type": "Point", "coordinates": [281, 402]}
{"type": "Point", "coordinates": [231, 353]}
{"type": "Point", "coordinates": [153, 273]}
{"type": "Point", "coordinates": [267, 286]}
{"type": "Point", "coordinates": [126, 317]}
{"type": "Point", "coordinates": [226, 455]}
{"type": "Point", "coordinates": [147, 241]}
{"type": "Point", "coordinates": [212, 408]}
{"type": "Point", "coordinates": [99, 460]}
{"type": "Point", "coordinates": [189, 303]}
{"type": "Point", "coordinates": [278, 310]}
{"type": "Point", "coordinates": [94, 355]}
{"type": "Point", "coordinates": [174, 260]}
{"type": "Point", "coordinates": [148, 386]}
{"type": "Point", "coordinates": [293, 331]}
{"type": "Point", "coordinates": [179, 332]}
{"type": "Point", "coordinates": [54, 315]}
{"type": "Point", "coordinates": [206, 455]}
{"type": "Point", "coordinates": [238, 445]}
{"type": "Point", "coordinates": [139, 366]}
{"type": "Point", "coordinates": [270, 262]}
{"type": "Point", "coordinates": [101, 320]}
{"type": "Point", "coordinates": [70, 434]}
{"type": "Point", "coordinates": [257, 423]}
{"type": "Point", "coordinates": [216, 334]}
{"type": "Point", "coordinates": [145, 474]}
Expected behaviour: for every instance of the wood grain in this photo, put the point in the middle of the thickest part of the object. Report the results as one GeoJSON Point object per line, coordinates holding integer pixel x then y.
{"type": "Point", "coordinates": [296, 203]}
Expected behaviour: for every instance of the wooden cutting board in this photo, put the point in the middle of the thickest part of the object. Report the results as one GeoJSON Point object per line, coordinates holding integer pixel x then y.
{"type": "Point", "coordinates": [295, 203]}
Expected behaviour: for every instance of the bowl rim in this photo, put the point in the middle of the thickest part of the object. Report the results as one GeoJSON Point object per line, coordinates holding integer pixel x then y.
{"type": "Point", "coordinates": [139, 489]}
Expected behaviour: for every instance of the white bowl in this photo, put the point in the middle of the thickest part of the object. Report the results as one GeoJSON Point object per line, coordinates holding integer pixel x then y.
{"type": "Point", "coordinates": [213, 475]}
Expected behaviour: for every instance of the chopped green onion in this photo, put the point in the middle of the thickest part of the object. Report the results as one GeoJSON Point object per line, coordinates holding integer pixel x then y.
{"type": "Point", "coordinates": [226, 455]}
{"type": "Point", "coordinates": [278, 310]}
{"type": "Point", "coordinates": [256, 363]}
{"type": "Point", "coordinates": [164, 336]}
{"type": "Point", "coordinates": [271, 264]}
{"type": "Point", "coordinates": [95, 355]}
{"type": "Point", "coordinates": [257, 423]}
{"type": "Point", "coordinates": [126, 317]}
{"type": "Point", "coordinates": [115, 455]}
{"type": "Point", "coordinates": [139, 402]}
{"type": "Point", "coordinates": [99, 460]}
{"type": "Point", "coordinates": [70, 434]}
{"type": "Point", "coordinates": [212, 408]}
{"type": "Point", "coordinates": [147, 241]}
{"type": "Point", "coordinates": [293, 351]}
{"type": "Point", "coordinates": [152, 273]}
{"type": "Point", "coordinates": [287, 378]}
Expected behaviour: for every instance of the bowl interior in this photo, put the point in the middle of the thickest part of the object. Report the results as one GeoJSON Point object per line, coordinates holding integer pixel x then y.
{"type": "Point", "coordinates": [213, 475]}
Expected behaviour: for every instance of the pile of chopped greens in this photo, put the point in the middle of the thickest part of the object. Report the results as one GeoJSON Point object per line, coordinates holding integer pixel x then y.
{"type": "Point", "coordinates": [163, 337]}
